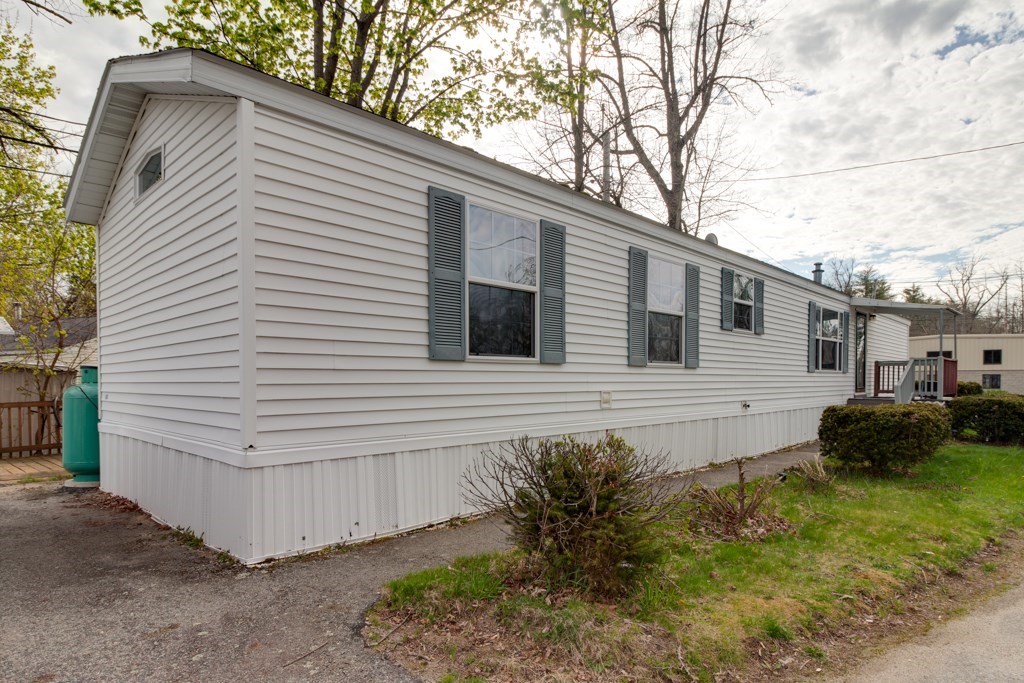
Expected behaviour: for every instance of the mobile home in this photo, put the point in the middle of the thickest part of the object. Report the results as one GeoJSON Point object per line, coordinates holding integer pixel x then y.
{"type": "Point", "coordinates": [312, 319]}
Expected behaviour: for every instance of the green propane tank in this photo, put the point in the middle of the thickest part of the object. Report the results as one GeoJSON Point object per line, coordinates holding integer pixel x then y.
{"type": "Point", "coordinates": [81, 430]}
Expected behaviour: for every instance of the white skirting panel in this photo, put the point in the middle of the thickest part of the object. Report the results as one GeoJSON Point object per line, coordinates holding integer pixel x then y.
{"type": "Point", "coordinates": [264, 512]}
{"type": "Point", "coordinates": [186, 491]}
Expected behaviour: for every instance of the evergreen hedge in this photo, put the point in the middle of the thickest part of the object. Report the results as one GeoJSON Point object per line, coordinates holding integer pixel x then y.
{"type": "Point", "coordinates": [969, 389]}
{"type": "Point", "coordinates": [993, 419]}
{"type": "Point", "coordinates": [884, 437]}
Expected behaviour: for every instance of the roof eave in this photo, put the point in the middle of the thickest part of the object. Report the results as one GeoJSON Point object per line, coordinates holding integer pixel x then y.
{"type": "Point", "coordinates": [91, 176]}
{"type": "Point", "coordinates": [886, 306]}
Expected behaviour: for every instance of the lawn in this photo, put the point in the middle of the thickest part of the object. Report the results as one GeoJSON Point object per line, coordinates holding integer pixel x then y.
{"type": "Point", "coordinates": [851, 553]}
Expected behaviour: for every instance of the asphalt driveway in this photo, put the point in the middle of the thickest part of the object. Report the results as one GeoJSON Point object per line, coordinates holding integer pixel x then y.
{"type": "Point", "coordinates": [89, 593]}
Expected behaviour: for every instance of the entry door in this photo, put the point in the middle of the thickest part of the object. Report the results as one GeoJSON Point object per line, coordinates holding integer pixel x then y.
{"type": "Point", "coordinates": [861, 347]}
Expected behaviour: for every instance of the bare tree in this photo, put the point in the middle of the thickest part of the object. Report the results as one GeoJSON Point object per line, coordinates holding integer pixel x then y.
{"type": "Point", "coordinates": [971, 292]}
{"type": "Point", "coordinates": [840, 275]}
{"type": "Point", "coordinates": [673, 66]}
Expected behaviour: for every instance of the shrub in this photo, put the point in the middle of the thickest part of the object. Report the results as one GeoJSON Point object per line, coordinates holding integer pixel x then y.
{"type": "Point", "coordinates": [735, 513]}
{"type": "Point", "coordinates": [991, 418]}
{"type": "Point", "coordinates": [969, 389]}
{"type": "Point", "coordinates": [586, 511]}
{"type": "Point", "coordinates": [814, 475]}
{"type": "Point", "coordinates": [883, 438]}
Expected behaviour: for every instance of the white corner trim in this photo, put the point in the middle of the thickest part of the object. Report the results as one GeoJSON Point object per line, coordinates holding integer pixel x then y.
{"type": "Point", "coordinates": [245, 226]}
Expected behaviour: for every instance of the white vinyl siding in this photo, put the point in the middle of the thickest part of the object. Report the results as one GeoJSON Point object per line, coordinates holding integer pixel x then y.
{"type": "Point", "coordinates": [888, 339]}
{"type": "Point", "coordinates": [341, 311]}
{"type": "Point", "coordinates": [168, 277]}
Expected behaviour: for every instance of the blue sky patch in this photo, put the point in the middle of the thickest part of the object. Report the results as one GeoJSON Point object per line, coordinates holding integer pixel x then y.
{"type": "Point", "coordinates": [1008, 32]}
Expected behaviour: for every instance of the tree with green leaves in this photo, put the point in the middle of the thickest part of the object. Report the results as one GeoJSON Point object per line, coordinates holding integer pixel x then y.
{"type": "Point", "coordinates": [869, 282]}
{"type": "Point", "coordinates": [412, 61]}
{"type": "Point", "coordinates": [566, 138]}
{"type": "Point", "coordinates": [26, 88]}
{"type": "Point", "coordinates": [46, 263]}
{"type": "Point", "coordinates": [677, 64]}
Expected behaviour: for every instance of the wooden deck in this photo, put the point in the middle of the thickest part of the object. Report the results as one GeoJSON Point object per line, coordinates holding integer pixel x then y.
{"type": "Point", "coordinates": [41, 467]}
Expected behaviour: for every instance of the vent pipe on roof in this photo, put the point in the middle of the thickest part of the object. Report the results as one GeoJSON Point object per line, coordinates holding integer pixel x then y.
{"type": "Point", "coordinates": [17, 310]}
{"type": "Point", "coordinates": [818, 272]}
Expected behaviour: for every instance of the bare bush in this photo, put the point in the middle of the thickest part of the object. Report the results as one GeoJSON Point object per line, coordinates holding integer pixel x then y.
{"type": "Point", "coordinates": [814, 475]}
{"type": "Point", "coordinates": [735, 513]}
{"type": "Point", "coordinates": [586, 510]}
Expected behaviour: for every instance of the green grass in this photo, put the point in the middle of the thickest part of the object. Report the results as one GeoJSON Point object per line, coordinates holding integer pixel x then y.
{"type": "Point", "coordinates": [861, 542]}
{"type": "Point", "coordinates": [189, 538]}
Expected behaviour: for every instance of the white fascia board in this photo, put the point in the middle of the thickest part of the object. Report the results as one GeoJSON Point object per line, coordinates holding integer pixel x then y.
{"type": "Point", "coordinates": [173, 66]}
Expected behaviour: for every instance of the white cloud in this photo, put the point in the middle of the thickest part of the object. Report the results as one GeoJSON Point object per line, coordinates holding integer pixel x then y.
{"type": "Point", "coordinates": [879, 80]}
{"type": "Point", "coordinates": [880, 93]}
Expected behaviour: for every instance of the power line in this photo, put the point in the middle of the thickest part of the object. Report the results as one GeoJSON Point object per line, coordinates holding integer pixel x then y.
{"type": "Point", "coordinates": [55, 131]}
{"type": "Point", "coordinates": [770, 257]}
{"type": "Point", "coordinates": [35, 170]}
{"type": "Point", "coordinates": [880, 163]}
{"type": "Point", "coordinates": [45, 116]}
{"type": "Point", "coordinates": [40, 144]}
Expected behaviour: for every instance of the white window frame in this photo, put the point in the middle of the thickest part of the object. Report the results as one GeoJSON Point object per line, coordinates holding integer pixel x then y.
{"type": "Point", "coordinates": [665, 311]}
{"type": "Point", "coordinates": [139, 192]}
{"type": "Point", "coordinates": [503, 284]}
{"type": "Point", "coordinates": [818, 339]}
{"type": "Point", "coordinates": [743, 302]}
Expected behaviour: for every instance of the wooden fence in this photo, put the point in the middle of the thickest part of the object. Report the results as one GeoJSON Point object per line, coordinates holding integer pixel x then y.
{"type": "Point", "coordinates": [30, 428]}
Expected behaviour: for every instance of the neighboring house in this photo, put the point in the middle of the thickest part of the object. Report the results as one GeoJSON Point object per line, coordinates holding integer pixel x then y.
{"type": "Point", "coordinates": [313, 319]}
{"type": "Point", "coordinates": [20, 367]}
{"type": "Point", "coordinates": [996, 361]}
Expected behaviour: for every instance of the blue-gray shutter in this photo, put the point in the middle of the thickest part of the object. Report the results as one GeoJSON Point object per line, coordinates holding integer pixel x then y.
{"type": "Point", "coordinates": [846, 342]}
{"type": "Point", "coordinates": [637, 325]}
{"type": "Point", "coordinates": [447, 284]}
{"type": "Point", "coordinates": [692, 333]}
{"type": "Point", "coordinates": [728, 278]}
{"type": "Point", "coordinates": [758, 306]}
{"type": "Point", "coordinates": [552, 292]}
{"type": "Point", "coordinates": [812, 328]}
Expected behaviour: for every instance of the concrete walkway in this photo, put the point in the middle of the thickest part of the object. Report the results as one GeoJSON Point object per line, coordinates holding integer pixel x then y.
{"type": "Point", "coordinates": [984, 646]}
{"type": "Point", "coordinates": [38, 467]}
{"type": "Point", "coordinates": [93, 594]}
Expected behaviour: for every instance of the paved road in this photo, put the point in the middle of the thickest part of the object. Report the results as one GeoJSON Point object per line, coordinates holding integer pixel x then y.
{"type": "Point", "coordinates": [90, 594]}
{"type": "Point", "coordinates": [985, 646]}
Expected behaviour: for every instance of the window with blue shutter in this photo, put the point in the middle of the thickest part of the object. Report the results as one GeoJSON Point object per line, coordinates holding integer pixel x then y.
{"type": "Point", "coordinates": [447, 274]}
{"type": "Point", "coordinates": [496, 283]}
{"type": "Point", "coordinates": [692, 316]}
{"type": "Point", "coordinates": [758, 306]}
{"type": "Point", "coordinates": [728, 283]}
{"type": "Point", "coordinates": [812, 336]}
{"type": "Point", "coordinates": [552, 292]}
{"type": "Point", "coordinates": [637, 322]}
{"type": "Point", "coordinates": [664, 311]}
{"type": "Point", "coordinates": [846, 347]}
{"type": "Point", "coordinates": [742, 302]}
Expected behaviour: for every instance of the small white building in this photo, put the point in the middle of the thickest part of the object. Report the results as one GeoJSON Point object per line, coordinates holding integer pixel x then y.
{"type": "Point", "coordinates": [313, 319]}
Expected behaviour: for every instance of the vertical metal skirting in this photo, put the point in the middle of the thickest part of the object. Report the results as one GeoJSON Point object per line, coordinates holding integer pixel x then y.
{"type": "Point", "coordinates": [282, 510]}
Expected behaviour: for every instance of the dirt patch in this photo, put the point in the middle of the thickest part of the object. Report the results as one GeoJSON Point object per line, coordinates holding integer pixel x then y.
{"type": "Point", "coordinates": [476, 641]}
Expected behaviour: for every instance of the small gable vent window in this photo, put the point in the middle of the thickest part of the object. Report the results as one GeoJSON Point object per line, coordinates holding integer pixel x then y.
{"type": "Point", "coordinates": [151, 172]}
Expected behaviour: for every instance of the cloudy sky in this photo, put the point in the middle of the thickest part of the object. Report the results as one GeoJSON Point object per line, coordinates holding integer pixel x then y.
{"type": "Point", "coordinates": [874, 81]}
